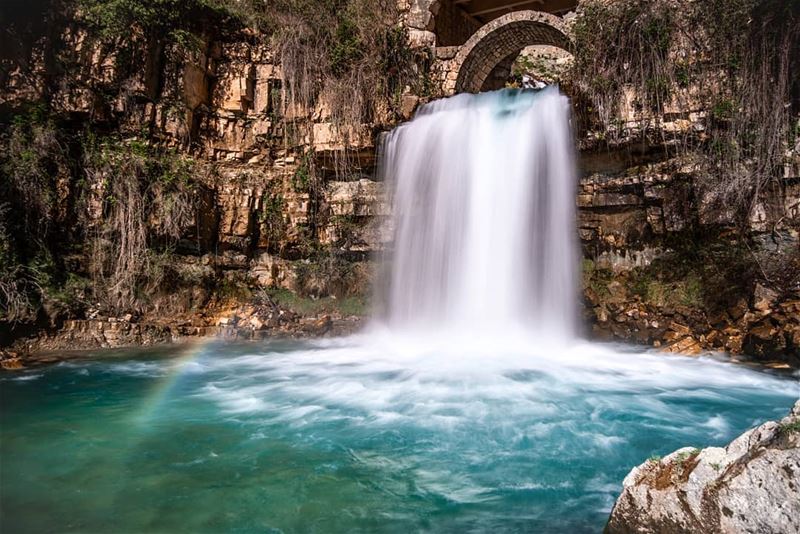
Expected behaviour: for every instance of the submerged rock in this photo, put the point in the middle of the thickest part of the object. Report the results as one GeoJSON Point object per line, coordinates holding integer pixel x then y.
{"type": "Point", "coordinates": [752, 485]}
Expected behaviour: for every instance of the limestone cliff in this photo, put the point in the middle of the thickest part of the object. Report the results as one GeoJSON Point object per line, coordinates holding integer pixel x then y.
{"type": "Point", "coordinates": [164, 180]}
{"type": "Point", "coordinates": [177, 183]}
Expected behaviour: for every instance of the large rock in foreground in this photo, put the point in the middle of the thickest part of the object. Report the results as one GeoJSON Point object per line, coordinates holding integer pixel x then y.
{"type": "Point", "coordinates": [752, 485]}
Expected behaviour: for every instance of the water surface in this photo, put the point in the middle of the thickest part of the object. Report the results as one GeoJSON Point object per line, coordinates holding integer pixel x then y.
{"type": "Point", "coordinates": [365, 434]}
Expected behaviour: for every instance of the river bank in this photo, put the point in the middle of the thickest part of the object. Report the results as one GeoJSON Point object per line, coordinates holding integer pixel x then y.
{"type": "Point", "coordinates": [251, 322]}
{"type": "Point", "coordinates": [764, 331]}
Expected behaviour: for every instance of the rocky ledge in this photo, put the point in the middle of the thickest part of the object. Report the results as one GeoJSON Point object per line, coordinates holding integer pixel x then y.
{"type": "Point", "coordinates": [752, 485]}
{"type": "Point", "coordinates": [766, 330]}
{"type": "Point", "coordinates": [254, 321]}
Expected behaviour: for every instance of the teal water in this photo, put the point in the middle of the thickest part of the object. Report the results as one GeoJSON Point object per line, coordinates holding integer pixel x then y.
{"type": "Point", "coordinates": [355, 436]}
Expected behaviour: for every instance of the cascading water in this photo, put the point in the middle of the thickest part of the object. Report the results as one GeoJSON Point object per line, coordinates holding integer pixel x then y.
{"type": "Point", "coordinates": [484, 214]}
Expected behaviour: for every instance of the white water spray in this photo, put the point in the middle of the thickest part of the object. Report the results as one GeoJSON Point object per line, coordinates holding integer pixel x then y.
{"type": "Point", "coordinates": [484, 209]}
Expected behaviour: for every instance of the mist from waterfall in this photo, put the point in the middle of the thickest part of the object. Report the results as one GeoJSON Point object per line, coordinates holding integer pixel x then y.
{"type": "Point", "coordinates": [484, 208]}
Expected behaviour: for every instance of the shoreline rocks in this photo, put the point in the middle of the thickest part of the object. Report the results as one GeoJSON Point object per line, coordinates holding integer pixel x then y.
{"type": "Point", "coordinates": [243, 323]}
{"type": "Point", "coordinates": [752, 485]}
{"type": "Point", "coordinates": [767, 331]}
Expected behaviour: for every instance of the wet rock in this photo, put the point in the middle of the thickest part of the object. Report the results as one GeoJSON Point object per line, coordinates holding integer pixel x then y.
{"type": "Point", "coordinates": [712, 336]}
{"type": "Point", "coordinates": [617, 291]}
{"type": "Point", "coordinates": [680, 328]}
{"type": "Point", "coordinates": [738, 310]}
{"type": "Point", "coordinates": [765, 339]}
{"type": "Point", "coordinates": [10, 360]}
{"type": "Point", "coordinates": [256, 323]}
{"type": "Point", "coordinates": [408, 105]}
{"type": "Point", "coordinates": [318, 327]}
{"type": "Point", "coordinates": [323, 325]}
{"type": "Point", "coordinates": [764, 299]}
{"type": "Point", "coordinates": [749, 486]}
{"type": "Point", "coordinates": [794, 335]}
{"type": "Point", "coordinates": [685, 345]}
{"type": "Point", "coordinates": [771, 332]}
{"type": "Point", "coordinates": [718, 318]}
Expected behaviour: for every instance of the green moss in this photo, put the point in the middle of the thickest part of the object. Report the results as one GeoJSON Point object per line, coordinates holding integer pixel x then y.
{"type": "Point", "coordinates": [73, 292]}
{"type": "Point", "coordinates": [301, 179]}
{"type": "Point", "coordinates": [233, 290]}
{"type": "Point", "coordinates": [347, 47]}
{"type": "Point", "coordinates": [793, 427]}
{"type": "Point", "coordinates": [700, 271]}
{"type": "Point", "coordinates": [685, 456]}
{"type": "Point", "coordinates": [310, 306]}
{"type": "Point", "coordinates": [271, 217]}
{"type": "Point", "coordinates": [649, 283]}
{"type": "Point", "coordinates": [723, 109]}
{"type": "Point", "coordinates": [596, 279]}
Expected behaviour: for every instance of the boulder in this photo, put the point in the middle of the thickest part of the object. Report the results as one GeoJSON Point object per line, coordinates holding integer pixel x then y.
{"type": "Point", "coordinates": [408, 105]}
{"type": "Point", "coordinates": [686, 345]}
{"type": "Point", "coordinates": [764, 299]}
{"type": "Point", "coordinates": [317, 327]}
{"type": "Point", "coordinates": [752, 485]}
{"type": "Point", "coordinates": [10, 360]}
{"type": "Point", "coordinates": [256, 323]}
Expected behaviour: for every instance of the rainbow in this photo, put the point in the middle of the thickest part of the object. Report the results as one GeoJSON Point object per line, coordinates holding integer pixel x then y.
{"type": "Point", "coordinates": [163, 387]}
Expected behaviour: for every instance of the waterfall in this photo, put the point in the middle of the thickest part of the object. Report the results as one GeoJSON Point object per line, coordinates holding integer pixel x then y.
{"type": "Point", "coordinates": [484, 215]}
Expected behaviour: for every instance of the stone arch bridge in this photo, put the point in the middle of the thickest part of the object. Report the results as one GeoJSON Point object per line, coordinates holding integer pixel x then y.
{"type": "Point", "coordinates": [476, 41]}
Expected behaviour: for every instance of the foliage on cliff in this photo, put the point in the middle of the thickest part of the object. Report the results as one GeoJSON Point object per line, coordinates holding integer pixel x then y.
{"type": "Point", "coordinates": [350, 51]}
{"type": "Point", "coordinates": [737, 60]}
{"type": "Point", "coordinates": [33, 160]}
{"type": "Point", "coordinates": [171, 20]}
{"type": "Point", "coordinates": [78, 207]}
{"type": "Point", "coordinates": [146, 202]}
{"type": "Point", "coordinates": [93, 204]}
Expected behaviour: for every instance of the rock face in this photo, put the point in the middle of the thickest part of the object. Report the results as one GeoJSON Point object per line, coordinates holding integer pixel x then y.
{"type": "Point", "coordinates": [649, 278]}
{"type": "Point", "coordinates": [259, 221]}
{"type": "Point", "coordinates": [752, 485]}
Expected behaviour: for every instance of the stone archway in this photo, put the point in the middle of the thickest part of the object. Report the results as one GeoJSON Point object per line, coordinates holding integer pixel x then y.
{"type": "Point", "coordinates": [494, 46]}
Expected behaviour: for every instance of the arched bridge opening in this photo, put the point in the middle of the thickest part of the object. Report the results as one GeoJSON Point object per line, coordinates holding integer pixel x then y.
{"type": "Point", "coordinates": [485, 60]}
{"type": "Point", "coordinates": [480, 39]}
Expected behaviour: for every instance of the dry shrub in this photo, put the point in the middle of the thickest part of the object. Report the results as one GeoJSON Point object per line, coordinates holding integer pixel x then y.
{"type": "Point", "coordinates": [16, 286]}
{"type": "Point", "coordinates": [349, 52]}
{"type": "Point", "coordinates": [34, 157]}
{"type": "Point", "coordinates": [755, 45]}
{"type": "Point", "coordinates": [734, 58]}
{"type": "Point", "coordinates": [625, 44]}
{"type": "Point", "coordinates": [147, 203]}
